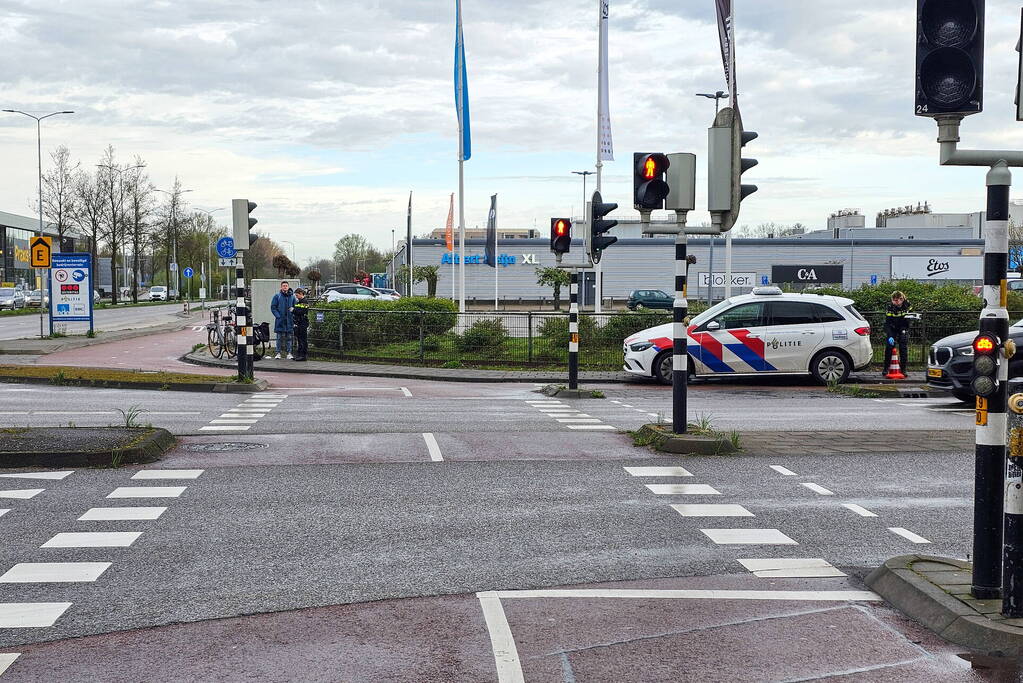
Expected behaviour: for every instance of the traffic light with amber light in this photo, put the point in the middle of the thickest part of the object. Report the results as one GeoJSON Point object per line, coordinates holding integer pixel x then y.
{"type": "Point", "coordinates": [242, 223]}
{"type": "Point", "coordinates": [949, 57]}
{"type": "Point", "coordinates": [561, 235]}
{"type": "Point", "coordinates": [986, 359]}
{"type": "Point", "coordinates": [598, 242]}
{"type": "Point", "coordinates": [649, 188]}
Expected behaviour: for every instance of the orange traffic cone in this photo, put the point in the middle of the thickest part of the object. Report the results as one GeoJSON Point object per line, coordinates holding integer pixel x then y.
{"type": "Point", "coordinates": [895, 370]}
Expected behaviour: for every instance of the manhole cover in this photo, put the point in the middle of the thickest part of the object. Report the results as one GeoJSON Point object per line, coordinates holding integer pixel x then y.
{"type": "Point", "coordinates": [224, 446]}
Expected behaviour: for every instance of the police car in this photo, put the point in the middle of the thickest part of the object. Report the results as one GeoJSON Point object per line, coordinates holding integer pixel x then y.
{"type": "Point", "coordinates": [766, 332]}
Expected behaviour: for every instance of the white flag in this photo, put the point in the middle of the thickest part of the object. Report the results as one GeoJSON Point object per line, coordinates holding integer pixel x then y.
{"type": "Point", "coordinates": [607, 152]}
{"type": "Point", "coordinates": [726, 34]}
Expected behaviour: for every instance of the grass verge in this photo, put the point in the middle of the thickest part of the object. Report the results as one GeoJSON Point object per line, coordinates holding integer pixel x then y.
{"type": "Point", "coordinates": [63, 374]}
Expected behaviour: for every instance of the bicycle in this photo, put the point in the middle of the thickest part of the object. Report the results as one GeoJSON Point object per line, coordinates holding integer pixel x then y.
{"type": "Point", "coordinates": [221, 336]}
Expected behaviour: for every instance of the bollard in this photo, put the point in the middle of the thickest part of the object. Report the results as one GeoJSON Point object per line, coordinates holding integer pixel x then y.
{"type": "Point", "coordinates": [1012, 556]}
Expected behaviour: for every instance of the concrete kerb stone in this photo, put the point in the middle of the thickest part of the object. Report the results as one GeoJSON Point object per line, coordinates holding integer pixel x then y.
{"type": "Point", "coordinates": [660, 438]}
{"type": "Point", "coordinates": [151, 443]}
{"type": "Point", "coordinates": [900, 583]}
{"type": "Point", "coordinates": [198, 387]}
{"type": "Point", "coordinates": [560, 390]}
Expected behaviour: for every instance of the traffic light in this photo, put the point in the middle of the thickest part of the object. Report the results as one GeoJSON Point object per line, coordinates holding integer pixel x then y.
{"type": "Point", "coordinates": [949, 57]}
{"type": "Point", "coordinates": [725, 189]}
{"type": "Point", "coordinates": [561, 235]}
{"type": "Point", "coordinates": [649, 188]}
{"type": "Point", "coordinates": [986, 349]}
{"type": "Point", "coordinates": [243, 223]}
{"type": "Point", "coordinates": [599, 225]}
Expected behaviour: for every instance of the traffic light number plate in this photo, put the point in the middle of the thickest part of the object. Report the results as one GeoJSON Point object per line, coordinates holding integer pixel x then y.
{"type": "Point", "coordinates": [981, 411]}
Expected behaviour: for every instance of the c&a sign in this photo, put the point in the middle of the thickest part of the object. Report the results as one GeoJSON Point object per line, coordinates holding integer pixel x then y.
{"type": "Point", "coordinates": [809, 274]}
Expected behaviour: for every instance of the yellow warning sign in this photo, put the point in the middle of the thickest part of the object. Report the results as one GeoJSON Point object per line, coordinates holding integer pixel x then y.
{"type": "Point", "coordinates": [41, 247]}
{"type": "Point", "coordinates": [575, 338]}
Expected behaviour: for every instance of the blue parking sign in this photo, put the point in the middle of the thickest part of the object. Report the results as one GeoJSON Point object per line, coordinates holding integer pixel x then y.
{"type": "Point", "coordinates": [764, 280]}
{"type": "Point", "coordinates": [873, 279]}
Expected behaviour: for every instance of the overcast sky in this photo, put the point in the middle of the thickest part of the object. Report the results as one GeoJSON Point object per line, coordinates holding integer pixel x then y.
{"type": "Point", "coordinates": [327, 113]}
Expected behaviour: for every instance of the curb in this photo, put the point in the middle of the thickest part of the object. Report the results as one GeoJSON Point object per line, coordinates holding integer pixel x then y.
{"type": "Point", "coordinates": [76, 342]}
{"type": "Point", "coordinates": [407, 372]}
{"type": "Point", "coordinates": [556, 390]}
{"type": "Point", "coordinates": [198, 387]}
{"type": "Point", "coordinates": [942, 613]}
{"type": "Point", "coordinates": [149, 448]}
{"type": "Point", "coordinates": [684, 444]}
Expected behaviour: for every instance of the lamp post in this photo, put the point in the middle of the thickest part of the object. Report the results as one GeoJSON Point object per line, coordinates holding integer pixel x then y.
{"type": "Point", "coordinates": [597, 285]}
{"type": "Point", "coordinates": [717, 97]}
{"type": "Point", "coordinates": [39, 154]}
{"type": "Point", "coordinates": [174, 236]}
{"type": "Point", "coordinates": [209, 252]}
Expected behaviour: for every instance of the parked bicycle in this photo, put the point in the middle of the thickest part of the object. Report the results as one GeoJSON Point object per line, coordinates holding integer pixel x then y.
{"type": "Point", "coordinates": [221, 337]}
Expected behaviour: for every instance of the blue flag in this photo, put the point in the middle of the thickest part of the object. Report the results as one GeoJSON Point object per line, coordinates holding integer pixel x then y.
{"type": "Point", "coordinates": [461, 87]}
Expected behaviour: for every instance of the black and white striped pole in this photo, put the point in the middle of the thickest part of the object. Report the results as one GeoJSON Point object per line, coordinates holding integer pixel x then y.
{"type": "Point", "coordinates": [989, 468]}
{"type": "Point", "coordinates": [1012, 561]}
{"type": "Point", "coordinates": [680, 357]}
{"type": "Point", "coordinates": [573, 331]}
{"type": "Point", "coordinates": [243, 324]}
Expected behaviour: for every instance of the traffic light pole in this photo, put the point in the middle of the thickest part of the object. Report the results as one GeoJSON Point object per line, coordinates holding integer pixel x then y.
{"type": "Point", "coordinates": [680, 337]}
{"type": "Point", "coordinates": [1012, 568]}
{"type": "Point", "coordinates": [242, 323]}
{"type": "Point", "coordinates": [573, 331]}
{"type": "Point", "coordinates": [990, 461]}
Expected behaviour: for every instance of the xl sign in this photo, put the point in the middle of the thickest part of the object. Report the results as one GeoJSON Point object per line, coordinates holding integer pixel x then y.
{"type": "Point", "coordinates": [809, 274]}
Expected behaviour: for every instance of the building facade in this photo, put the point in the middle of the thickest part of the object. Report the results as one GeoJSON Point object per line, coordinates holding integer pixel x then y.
{"type": "Point", "coordinates": [16, 233]}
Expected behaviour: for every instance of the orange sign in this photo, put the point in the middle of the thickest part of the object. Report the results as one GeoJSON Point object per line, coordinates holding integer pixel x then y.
{"type": "Point", "coordinates": [41, 248]}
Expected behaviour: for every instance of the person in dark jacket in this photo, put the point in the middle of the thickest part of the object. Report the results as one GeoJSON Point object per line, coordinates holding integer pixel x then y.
{"type": "Point", "coordinates": [282, 306]}
{"type": "Point", "coordinates": [896, 328]}
{"type": "Point", "coordinates": [301, 315]}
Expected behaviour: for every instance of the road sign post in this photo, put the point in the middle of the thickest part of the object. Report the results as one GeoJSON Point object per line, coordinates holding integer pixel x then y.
{"type": "Point", "coordinates": [573, 331]}
{"type": "Point", "coordinates": [71, 289]}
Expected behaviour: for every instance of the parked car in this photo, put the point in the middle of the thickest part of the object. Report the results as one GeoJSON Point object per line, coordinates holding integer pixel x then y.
{"type": "Point", "coordinates": [766, 332]}
{"type": "Point", "coordinates": [157, 293]}
{"type": "Point", "coordinates": [12, 298]}
{"type": "Point", "coordinates": [351, 291]}
{"type": "Point", "coordinates": [650, 298]}
{"type": "Point", "coordinates": [96, 297]}
{"type": "Point", "coordinates": [38, 298]}
{"type": "Point", "coordinates": [387, 290]}
{"type": "Point", "coordinates": [950, 362]}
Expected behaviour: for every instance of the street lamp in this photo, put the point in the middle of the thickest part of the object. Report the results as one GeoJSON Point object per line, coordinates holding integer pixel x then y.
{"type": "Point", "coordinates": [584, 174]}
{"type": "Point", "coordinates": [717, 97]}
{"type": "Point", "coordinates": [209, 251]}
{"type": "Point", "coordinates": [39, 152]}
{"type": "Point", "coordinates": [174, 235]}
{"type": "Point", "coordinates": [113, 233]}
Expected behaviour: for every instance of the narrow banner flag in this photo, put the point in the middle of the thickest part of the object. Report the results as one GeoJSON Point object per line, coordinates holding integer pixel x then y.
{"type": "Point", "coordinates": [461, 88]}
{"type": "Point", "coordinates": [726, 34]}
{"type": "Point", "coordinates": [490, 254]}
{"type": "Point", "coordinates": [607, 152]}
{"type": "Point", "coordinates": [449, 228]}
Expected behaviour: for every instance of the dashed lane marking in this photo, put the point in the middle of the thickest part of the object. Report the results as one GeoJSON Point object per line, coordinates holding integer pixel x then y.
{"type": "Point", "coordinates": [4, 511]}
{"type": "Point", "coordinates": [31, 614]}
{"type": "Point", "coordinates": [502, 642]}
{"type": "Point", "coordinates": [433, 447]}
{"type": "Point", "coordinates": [233, 421]}
{"type": "Point", "coordinates": [908, 535]}
{"type": "Point", "coordinates": [592, 427]}
{"type": "Point", "coordinates": [816, 488]}
{"type": "Point", "coordinates": [6, 659]}
{"type": "Point", "coordinates": [658, 471]}
{"type": "Point", "coordinates": [861, 511]}
{"type": "Point", "coordinates": [147, 492]}
{"type": "Point", "coordinates": [168, 474]}
{"type": "Point", "coordinates": [748, 537]}
{"type": "Point", "coordinates": [122, 514]}
{"type": "Point", "coordinates": [224, 428]}
{"type": "Point", "coordinates": [54, 572]}
{"type": "Point", "coordinates": [790, 568]}
{"type": "Point", "coordinates": [590, 420]}
{"type": "Point", "coordinates": [93, 539]}
{"type": "Point", "coordinates": [683, 489]}
{"type": "Point", "coordinates": [711, 510]}
{"type": "Point", "coordinates": [21, 494]}
{"type": "Point", "coordinates": [404, 390]}
{"type": "Point", "coordinates": [783, 470]}
{"type": "Point", "coordinates": [38, 475]}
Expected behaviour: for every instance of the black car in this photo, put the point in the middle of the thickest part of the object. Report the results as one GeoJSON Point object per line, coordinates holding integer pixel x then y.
{"type": "Point", "coordinates": [649, 298]}
{"type": "Point", "coordinates": [950, 362]}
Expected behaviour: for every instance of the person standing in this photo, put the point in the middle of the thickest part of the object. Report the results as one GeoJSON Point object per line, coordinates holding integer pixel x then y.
{"type": "Point", "coordinates": [896, 328]}
{"type": "Point", "coordinates": [282, 306]}
{"type": "Point", "coordinates": [301, 325]}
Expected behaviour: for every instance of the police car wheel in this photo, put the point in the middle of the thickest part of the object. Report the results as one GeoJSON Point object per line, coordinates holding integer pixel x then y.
{"type": "Point", "coordinates": [830, 366]}
{"type": "Point", "coordinates": [663, 366]}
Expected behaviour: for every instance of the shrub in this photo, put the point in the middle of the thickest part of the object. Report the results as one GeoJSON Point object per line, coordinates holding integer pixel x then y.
{"type": "Point", "coordinates": [380, 322]}
{"type": "Point", "coordinates": [554, 330]}
{"type": "Point", "coordinates": [485, 336]}
{"type": "Point", "coordinates": [621, 326]}
{"type": "Point", "coordinates": [432, 342]}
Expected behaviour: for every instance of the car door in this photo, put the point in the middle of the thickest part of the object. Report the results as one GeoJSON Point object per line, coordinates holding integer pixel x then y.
{"type": "Point", "coordinates": [793, 333]}
{"type": "Point", "coordinates": [732, 341]}
{"type": "Point", "coordinates": [365, 293]}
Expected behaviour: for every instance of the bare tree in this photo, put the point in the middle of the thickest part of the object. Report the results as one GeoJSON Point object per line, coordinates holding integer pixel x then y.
{"type": "Point", "coordinates": [59, 194]}
{"type": "Point", "coordinates": [89, 209]}
{"type": "Point", "coordinates": [110, 177]}
{"type": "Point", "coordinates": [140, 208]}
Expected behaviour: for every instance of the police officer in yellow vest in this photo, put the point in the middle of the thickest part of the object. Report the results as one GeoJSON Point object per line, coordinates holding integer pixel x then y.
{"type": "Point", "coordinates": [301, 315]}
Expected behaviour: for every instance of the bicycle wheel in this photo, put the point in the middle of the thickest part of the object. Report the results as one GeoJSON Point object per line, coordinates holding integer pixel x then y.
{"type": "Point", "coordinates": [230, 342]}
{"type": "Point", "coordinates": [259, 351]}
{"type": "Point", "coordinates": [213, 344]}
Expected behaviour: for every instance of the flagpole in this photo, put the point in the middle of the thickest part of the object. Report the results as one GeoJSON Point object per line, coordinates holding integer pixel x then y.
{"type": "Point", "coordinates": [602, 7]}
{"type": "Point", "coordinates": [497, 251]}
{"type": "Point", "coordinates": [461, 225]}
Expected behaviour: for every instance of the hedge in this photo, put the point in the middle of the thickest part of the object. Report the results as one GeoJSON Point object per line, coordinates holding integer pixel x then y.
{"type": "Point", "coordinates": [380, 322]}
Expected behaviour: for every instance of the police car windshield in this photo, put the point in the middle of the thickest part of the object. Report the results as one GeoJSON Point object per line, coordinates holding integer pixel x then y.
{"type": "Point", "coordinates": [711, 312]}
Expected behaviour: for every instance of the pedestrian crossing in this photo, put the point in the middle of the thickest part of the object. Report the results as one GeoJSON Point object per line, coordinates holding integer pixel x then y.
{"type": "Point", "coordinates": [246, 414]}
{"type": "Point", "coordinates": [568, 416]}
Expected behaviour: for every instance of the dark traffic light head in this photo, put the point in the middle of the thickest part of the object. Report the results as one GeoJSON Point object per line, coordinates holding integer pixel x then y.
{"type": "Point", "coordinates": [599, 225]}
{"type": "Point", "coordinates": [242, 223]}
{"type": "Point", "coordinates": [649, 188]}
{"type": "Point", "coordinates": [949, 57]}
{"type": "Point", "coordinates": [561, 235]}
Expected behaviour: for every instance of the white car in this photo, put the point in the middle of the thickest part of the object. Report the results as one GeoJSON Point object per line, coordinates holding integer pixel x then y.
{"type": "Point", "coordinates": [12, 298]}
{"type": "Point", "coordinates": [353, 291]}
{"type": "Point", "coordinates": [157, 293]}
{"type": "Point", "coordinates": [766, 332]}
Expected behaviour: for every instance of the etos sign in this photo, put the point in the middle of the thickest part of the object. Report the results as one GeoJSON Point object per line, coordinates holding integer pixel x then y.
{"type": "Point", "coordinates": [823, 274]}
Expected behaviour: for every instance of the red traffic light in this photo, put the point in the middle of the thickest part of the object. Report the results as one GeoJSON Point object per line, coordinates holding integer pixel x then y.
{"type": "Point", "coordinates": [985, 344]}
{"type": "Point", "coordinates": [650, 168]}
{"type": "Point", "coordinates": [560, 228]}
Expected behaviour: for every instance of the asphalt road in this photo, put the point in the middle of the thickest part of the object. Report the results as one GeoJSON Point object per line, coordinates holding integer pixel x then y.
{"type": "Point", "coordinates": [107, 320]}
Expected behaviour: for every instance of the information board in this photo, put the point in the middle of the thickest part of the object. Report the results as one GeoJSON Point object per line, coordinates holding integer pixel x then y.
{"type": "Point", "coordinates": [70, 288]}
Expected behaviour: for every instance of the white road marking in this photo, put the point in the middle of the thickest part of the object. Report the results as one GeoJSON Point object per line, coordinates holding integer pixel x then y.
{"type": "Point", "coordinates": [223, 428]}
{"type": "Point", "coordinates": [405, 391]}
{"type": "Point", "coordinates": [241, 414]}
{"type": "Point", "coordinates": [683, 489]}
{"type": "Point", "coordinates": [650, 414]}
{"type": "Point", "coordinates": [626, 405]}
{"type": "Point", "coordinates": [54, 572]}
{"type": "Point", "coordinates": [122, 514]}
{"type": "Point", "coordinates": [38, 475]}
{"type": "Point", "coordinates": [6, 659]}
{"type": "Point", "coordinates": [783, 470]}
{"type": "Point", "coordinates": [591, 420]}
{"type": "Point", "coordinates": [908, 535]}
{"type": "Point", "coordinates": [711, 510]}
{"type": "Point", "coordinates": [816, 488]}
{"type": "Point", "coordinates": [781, 568]}
{"type": "Point", "coordinates": [93, 539]}
{"type": "Point", "coordinates": [692, 594]}
{"type": "Point", "coordinates": [557, 409]}
{"type": "Point", "coordinates": [748, 537]}
{"type": "Point", "coordinates": [568, 415]}
{"type": "Point", "coordinates": [604, 427]}
{"type": "Point", "coordinates": [4, 511]}
{"type": "Point", "coordinates": [168, 474]}
{"type": "Point", "coordinates": [658, 471]}
{"type": "Point", "coordinates": [257, 412]}
{"type": "Point", "coordinates": [21, 494]}
{"type": "Point", "coordinates": [433, 447]}
{"type": "Point", "coordinates": [861, 511]}
{"type": "Point", "coordinates": [233, 421]}
{"type": "Point", "coordinates": [30, 614]}
{"type": "Point", "coordinates": [502, 642]}
{"type": "Point", "coordinates": [147, 492]}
